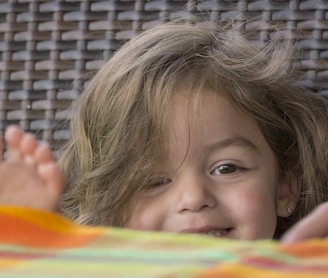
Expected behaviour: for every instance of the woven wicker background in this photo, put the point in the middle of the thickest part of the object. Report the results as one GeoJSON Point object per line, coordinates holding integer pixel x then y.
{"type": "Point", "coordinates": [46, 46]}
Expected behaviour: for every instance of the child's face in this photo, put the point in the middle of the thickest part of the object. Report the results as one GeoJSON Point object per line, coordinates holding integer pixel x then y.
{"type": "Point", "coordinates": [223, 178]}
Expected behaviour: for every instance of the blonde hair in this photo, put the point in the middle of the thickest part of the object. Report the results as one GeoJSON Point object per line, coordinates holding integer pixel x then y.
{"type": "Point", "coordinates": [118, 125]}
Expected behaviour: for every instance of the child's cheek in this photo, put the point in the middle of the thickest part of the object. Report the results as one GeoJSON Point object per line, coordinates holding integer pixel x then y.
{"type": "Point", "coordinates": [252, 202]}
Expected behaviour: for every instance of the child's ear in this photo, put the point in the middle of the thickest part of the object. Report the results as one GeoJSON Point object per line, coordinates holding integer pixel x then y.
{"type": "Point", "coordinates": [287, 194]}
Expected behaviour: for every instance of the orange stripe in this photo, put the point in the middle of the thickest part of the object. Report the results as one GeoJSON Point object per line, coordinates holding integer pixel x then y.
{"type": "Point", "coordinates": [307, 249]}
{"type": "Point", "coordinates": [235, 270]}
{"type": "Point", "coordinates": [18, 231]}
{"type": "Point", "coordinates": [48, 220]}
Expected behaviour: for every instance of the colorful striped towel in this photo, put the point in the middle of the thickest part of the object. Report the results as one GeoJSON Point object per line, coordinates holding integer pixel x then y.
{"type": "Point", "coordinates": [40, 244]}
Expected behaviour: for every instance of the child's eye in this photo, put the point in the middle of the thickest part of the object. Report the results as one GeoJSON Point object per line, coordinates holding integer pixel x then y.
{"type": "Point", "coordinates": [163, 181]}
{"type": "Point", "coordinates": [225, 169]}
{"type": "Point", "coordinates": [160, 182]}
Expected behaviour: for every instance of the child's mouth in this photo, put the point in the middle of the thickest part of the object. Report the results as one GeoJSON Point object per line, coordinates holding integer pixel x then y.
{"type": "Point", "coordinates": [217, 233]}
{"type": "Point", "coordinates": [211, 232]}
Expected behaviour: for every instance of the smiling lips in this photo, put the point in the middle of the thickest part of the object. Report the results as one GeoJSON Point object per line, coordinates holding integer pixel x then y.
{"type": "Point", "coordinates": [209, 231]}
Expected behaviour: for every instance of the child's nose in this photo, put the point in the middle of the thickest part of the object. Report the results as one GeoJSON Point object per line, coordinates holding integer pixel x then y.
{"type": "Point", "coordinates": [194, 195]}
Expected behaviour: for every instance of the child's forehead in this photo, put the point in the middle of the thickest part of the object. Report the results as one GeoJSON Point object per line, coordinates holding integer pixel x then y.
{"type": "Point", "coordinates": [202, 111]}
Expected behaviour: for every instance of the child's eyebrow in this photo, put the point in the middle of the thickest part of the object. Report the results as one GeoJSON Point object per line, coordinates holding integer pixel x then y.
{"type": "Point", "coordinates": [237, 140]}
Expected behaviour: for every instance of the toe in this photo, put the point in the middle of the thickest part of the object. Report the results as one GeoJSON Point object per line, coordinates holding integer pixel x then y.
{"type": "Point", "coordinates": [13, 138]}
{"type": "Point", "coordinates": [28, 144]}
{"type": "Point", "coordinates": [43, 154]}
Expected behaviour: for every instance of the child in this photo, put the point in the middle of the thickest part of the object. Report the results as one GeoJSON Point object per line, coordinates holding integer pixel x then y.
{"type": "Point", "coordinates": [192, 129]}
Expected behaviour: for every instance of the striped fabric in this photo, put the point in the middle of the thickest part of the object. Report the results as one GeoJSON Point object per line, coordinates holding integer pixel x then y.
{"type": "Point", "coordinates": [39, 244]}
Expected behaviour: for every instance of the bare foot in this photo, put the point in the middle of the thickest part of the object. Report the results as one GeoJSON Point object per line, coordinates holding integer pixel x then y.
{"type": "Point", "coordinates": [29, 175]}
